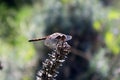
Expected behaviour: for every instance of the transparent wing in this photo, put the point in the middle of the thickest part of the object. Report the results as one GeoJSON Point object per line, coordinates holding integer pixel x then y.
{"type": "Point", "coordinates": [51, 43]}
{"type": "Point", "coordinates": [68, 37]}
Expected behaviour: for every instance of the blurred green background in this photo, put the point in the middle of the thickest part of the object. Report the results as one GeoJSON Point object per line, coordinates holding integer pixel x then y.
{"type": "Point", "coordinates": [94, 25]}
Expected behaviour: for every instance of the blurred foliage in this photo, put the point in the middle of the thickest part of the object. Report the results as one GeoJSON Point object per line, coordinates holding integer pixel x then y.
{"type": "Point", "coordinates": [21, 20]}
{"type": "Point", "coordinates": [15, 50]}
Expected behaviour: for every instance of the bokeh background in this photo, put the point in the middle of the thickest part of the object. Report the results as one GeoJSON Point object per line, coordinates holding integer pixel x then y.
{"type": "Point", "coordinates": [94, 25]}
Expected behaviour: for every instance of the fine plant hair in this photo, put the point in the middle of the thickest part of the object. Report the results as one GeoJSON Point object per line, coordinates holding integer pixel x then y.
{"type": "Point", "coordinates": [56, 58]}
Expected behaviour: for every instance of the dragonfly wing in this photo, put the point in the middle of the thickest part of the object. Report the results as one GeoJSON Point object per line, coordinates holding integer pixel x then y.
{"type": "Point", "coordinates": [68, 37]}
{"type": "Point", "coordinates": [51, 43]}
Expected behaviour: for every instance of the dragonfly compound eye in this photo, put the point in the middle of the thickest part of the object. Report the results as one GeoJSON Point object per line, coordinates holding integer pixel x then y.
{"type": "Point", "coordinates": [58, 37]}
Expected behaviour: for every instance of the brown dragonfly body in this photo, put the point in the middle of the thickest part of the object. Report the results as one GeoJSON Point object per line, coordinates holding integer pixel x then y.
{"type": "Point", "coordinates": [52, 40]}
{"type": "Point", "coordinates": [39, 39]}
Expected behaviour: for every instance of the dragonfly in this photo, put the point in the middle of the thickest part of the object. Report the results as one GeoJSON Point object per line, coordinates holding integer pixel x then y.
{"type": "Point", "coordinates": [52, 40]}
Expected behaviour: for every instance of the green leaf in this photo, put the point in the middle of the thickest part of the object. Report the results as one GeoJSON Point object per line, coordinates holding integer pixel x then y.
{"type": "Point", "coordinates": [113, 15]}
{"type": "Point", "coordinates": [112, 42]}
{"type": "Point", "coordinates": [97, 25]}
